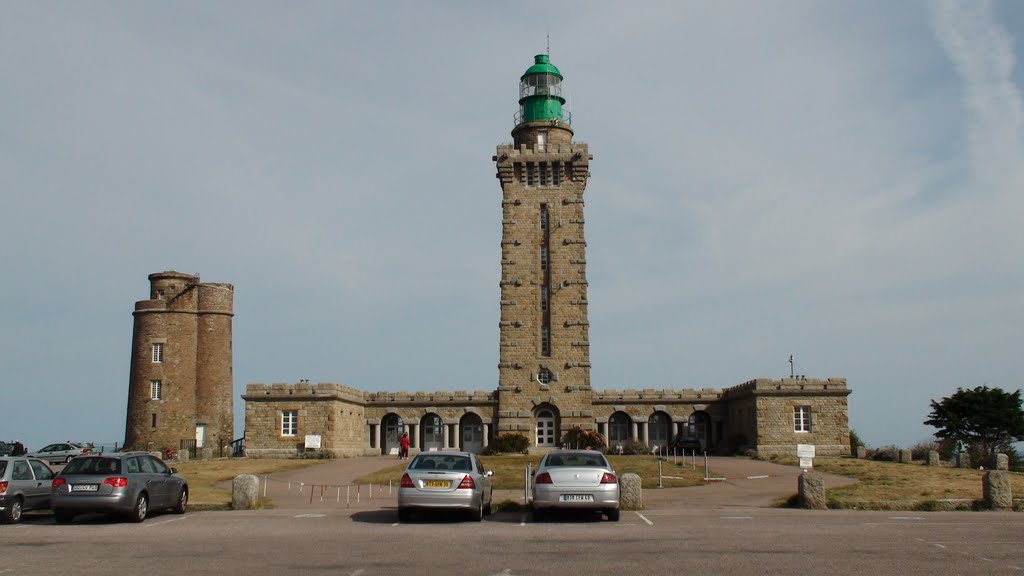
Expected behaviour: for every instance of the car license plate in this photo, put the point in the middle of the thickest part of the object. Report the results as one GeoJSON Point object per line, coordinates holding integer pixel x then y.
{"type": "Point", "coordinates": [577, 497]}
{"type": "Point", "coordinates": [84, 487]}
{"type": "Point", "coordinates": [436, 483]}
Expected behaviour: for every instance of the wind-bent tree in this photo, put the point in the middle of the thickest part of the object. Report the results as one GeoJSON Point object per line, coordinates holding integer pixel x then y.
{"type": "Point", "coordinates": [986, 418]}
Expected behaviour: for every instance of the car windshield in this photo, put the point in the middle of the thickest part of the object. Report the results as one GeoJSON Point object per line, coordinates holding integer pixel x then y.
{"type": "Point", "coordinates": [100, 466]}
{"type": "Point", "coordinates": [441, 462]}
{"type": "Point", "coordinates": [576, 460]}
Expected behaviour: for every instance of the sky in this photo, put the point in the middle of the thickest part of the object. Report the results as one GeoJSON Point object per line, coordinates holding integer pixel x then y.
{"type": "Point", "coordinates": [841, 182]}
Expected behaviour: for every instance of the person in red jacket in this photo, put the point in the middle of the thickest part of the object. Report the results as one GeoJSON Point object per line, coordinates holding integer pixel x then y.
{"type": "Point", "coordinates": [403, 450]}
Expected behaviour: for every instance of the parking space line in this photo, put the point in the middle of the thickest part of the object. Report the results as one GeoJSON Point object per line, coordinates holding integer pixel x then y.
{"type": "Point", "coordinates": [151, 524]}
{"type": "Point", "coordinates": [644, 518]}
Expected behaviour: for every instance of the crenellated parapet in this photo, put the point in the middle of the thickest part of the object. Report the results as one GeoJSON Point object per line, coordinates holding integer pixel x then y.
{"type": "Point", "coordinates": [430, 398]}
{"type": "Point", "coordinates": [303, 391]}
{"type": "Point", "coordinates": [653, 395]}
{"type": "Point", "coordinates": [788, 386]}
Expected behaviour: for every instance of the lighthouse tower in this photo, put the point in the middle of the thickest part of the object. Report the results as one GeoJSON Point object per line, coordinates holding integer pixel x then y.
{"type": "Point", "coordinates": [179, 391]}
{"type": "Point", "coordinates": [544, 360]}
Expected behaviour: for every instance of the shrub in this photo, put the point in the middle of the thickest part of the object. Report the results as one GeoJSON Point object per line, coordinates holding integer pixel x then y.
{"type": "Point", "coordinates": [920, 450]}
{"type": "Point", "coordinates": [512, 443]}
{"type": "Point", "coordinates": [855, 441]}
{"type": "Point", "coordinates": [884, 454]}
{"type": "Point", "coordinates": [633, 447]}
{"type": "Point", "coordinates": [580, 438]}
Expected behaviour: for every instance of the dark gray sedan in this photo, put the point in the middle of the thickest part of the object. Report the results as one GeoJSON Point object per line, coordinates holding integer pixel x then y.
{"type": "Point", "coordinates": [445, 481]}
{"type": "Point", "coordinates": [128, 484]}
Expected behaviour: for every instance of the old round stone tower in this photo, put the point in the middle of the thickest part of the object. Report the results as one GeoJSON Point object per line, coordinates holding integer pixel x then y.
{"type": "Point", "coordinates": [544, 359]}
{"type": "Point", "coordinates": [180, 388]}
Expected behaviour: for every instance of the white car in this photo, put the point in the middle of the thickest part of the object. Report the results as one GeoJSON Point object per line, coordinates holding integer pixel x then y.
{"type": "Point", "coordinates": [59, 453]}
{"type": "Point", "coordinates": [575, 480]}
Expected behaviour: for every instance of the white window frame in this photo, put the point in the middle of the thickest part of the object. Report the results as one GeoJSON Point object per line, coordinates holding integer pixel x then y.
{"type": "Point", "coordinates": [155, 389]}
{"type": "Point", "coordinates": [289, 422]}
{"type": "Point", "coordinates": [157, 354]}
{"type": "Point", "coordinates": [801, 419]}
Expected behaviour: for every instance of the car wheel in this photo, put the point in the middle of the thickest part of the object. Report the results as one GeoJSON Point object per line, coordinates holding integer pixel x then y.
{"type": "Point", "coordinates": [538, 515]}
{"type": "Point", "coordinates": [13, 513]}
{"type": "Point", "coordinates": [63, 516]}
{"type": "Point", "coordinates": [404, 515]}
{"type": "Point", "coordinates": [182, 502]}
{"type": "Point", "coordinates": [141, 508]}
{"type": "Point", "coordinates": [68, 459]}
{"type": "Point", "coordinates": [612, 514]}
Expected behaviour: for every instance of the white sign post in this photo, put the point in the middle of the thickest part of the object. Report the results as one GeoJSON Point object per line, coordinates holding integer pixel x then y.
{"type": "Point", "coordinates": [805, 452]}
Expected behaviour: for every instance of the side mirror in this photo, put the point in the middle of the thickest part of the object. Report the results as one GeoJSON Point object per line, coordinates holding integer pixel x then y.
{"type": "Point", "coordinates": [489, 473]}
{"type": "Point", "coordinates": [173, 470]}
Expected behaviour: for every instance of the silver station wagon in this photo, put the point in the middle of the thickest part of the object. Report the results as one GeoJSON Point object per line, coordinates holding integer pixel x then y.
{"type": "Point", "coordinates": [575, 480]}
{"type": "Point", "coordinates": [445, 481]}
{"type": "Point", "coordinates": [130, 484]}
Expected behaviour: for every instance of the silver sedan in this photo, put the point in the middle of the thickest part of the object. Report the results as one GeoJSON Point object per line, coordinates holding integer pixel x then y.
{"type": "Point", "coordinates": [445, 481]}
{"type": "Point", "coordinates": [575, 480]}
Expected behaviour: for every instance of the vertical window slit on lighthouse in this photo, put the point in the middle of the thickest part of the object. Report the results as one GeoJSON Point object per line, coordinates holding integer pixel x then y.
{"type": "Point", "coordinates": [531, 174]}
{"type": "Point", "coordinates": [543, 173]}
{"type": "Point", "coordinates": [556, 173]}
{"type": "Point", "coordinates": [545, 283]}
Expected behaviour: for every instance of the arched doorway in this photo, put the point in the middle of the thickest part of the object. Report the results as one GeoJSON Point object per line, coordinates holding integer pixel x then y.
{"type": "Point", "coordinates": [393, 428]}
{"type": "Point", "coordinates": [547, 427]}
{"type": "Point", "coordinates": [697, 428]}
{"type": "Point", "coordinates": [659, 430]}
{"type": "Point", "coordinates": [618, 429]}
{"type": "Point", "coordinates": [433, 433]}
{"type": "Point", "coordinates": [472, 433]}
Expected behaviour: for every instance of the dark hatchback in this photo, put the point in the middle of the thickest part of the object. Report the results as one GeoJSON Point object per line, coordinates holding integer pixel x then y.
{"type": "Point", "coordinates": [129, 484]}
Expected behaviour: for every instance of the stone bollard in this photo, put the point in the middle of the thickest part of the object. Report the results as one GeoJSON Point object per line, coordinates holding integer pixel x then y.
{"type": "Point", "coordinates": [245, 492]}
{"type": "Point", "coordinates": [812, 491]}
{"type": "Point", "coordinates": [207, 453]}
{"type": "Point", "coordinates": [631, 495]}
{"type": "Point", "coordinates": [996, 490]}
{"type": "Point", "coordinates": [963, 460]}
{"type": "Point", "coordinates": [183, 455]}
{"type": "Point", "coordinates": [905, 456]}
{"type": "Point", "coordinates": [933, 458]}
{"type": "Point", "coordinates": [1002, 462]}
{"type": "Point", "coordinates": [862, 452]}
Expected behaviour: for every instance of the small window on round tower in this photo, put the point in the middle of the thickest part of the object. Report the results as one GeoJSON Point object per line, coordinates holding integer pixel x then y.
{"type": "Point", "coordinates": [542, 139]}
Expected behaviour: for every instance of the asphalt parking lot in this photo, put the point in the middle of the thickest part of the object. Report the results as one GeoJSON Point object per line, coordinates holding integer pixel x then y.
{"type": "Point", "coordinates": [682, 530]}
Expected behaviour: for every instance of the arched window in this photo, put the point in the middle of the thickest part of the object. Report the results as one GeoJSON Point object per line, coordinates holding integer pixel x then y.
{"type": "Point", "coordinates": [618, 429]}
{"type": "Point", "coordinates": [660, 426]}
{"type": "Point", "coordinates": [433, 432]}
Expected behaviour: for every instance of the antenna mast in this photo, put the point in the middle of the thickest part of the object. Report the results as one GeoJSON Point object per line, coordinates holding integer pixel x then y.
{"type": "Point", "coordinates": [791, 375]}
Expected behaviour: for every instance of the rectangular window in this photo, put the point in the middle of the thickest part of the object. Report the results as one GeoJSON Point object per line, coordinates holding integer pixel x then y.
{"type": "Point", "coordinates": [543, 216]}
{"type": "Point", "coordinates": [543, 298]}
{"type": "Point", "coordinates": [289, 423]}
{"type": "Point", "coordinates": [543, 173]}
{"type": "Point", "coordinates": [802, 419]}
{"type": "Point", "coordinates": [153, 422]}
{"type": "Point", "coordinates": [556, 174]}
{"type": "Point", "coordinates": [531, 174]}
{"type": "Point", "coordinates": [154, 389]}
{"type": "Point", "coordinates": [545, 341]}
{"type": "Point", "coordinates": [543, 258]}
{"type": "Point", "coordinates": [158, 353]}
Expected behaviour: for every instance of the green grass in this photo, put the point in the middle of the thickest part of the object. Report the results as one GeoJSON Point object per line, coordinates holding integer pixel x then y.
{"type": "Point", "coordinates": [893, 486]}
